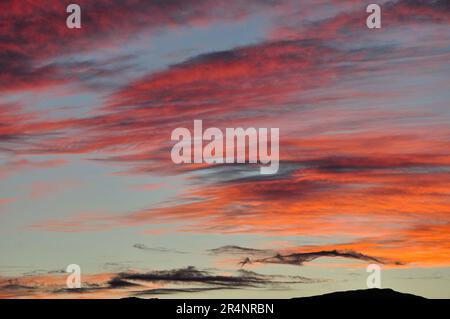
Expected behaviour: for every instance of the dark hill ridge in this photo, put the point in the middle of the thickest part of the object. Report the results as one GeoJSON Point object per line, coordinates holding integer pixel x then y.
{"type": "Point", "coordinates": [361, 294]}
{"type": "Point", "coordinates": [365, 294]}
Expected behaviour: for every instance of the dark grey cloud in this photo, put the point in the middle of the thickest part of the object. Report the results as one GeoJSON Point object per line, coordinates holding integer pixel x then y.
{"type": "Point", "coordinates": [11, 285]}
{"type": "Point", "coordinates": [120, 283]}
{"type": "Point", "coordinates": [269, 256]}
{"type": "Point", "coordinates": [191, 279]}
{"type": "Point", "coordinates": [193, 275]}
{"type": "Point", "coordinates": [243, 173]}
{"type": "Point", "coordinates": [300, 258]}
{"type": "Point", "coordinates": [158, 249]}
{"type": "Point", "coordinates": [159, 282]}
{"type": "Point", "coordinates": [238, 250]}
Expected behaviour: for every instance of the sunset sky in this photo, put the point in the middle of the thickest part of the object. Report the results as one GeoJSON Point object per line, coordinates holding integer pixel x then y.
{"type": "Point", "coordinates": [86, 176]}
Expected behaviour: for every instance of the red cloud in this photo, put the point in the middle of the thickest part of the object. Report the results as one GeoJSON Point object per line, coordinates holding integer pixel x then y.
{"type": "Point", "coordinates": [345, 172]}
{"type": "Point", "coordinates": [34, 31]}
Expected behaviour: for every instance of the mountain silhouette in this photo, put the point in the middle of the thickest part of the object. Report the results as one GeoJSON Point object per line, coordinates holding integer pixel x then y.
{"type": "Point", "coordinates": [364, 294]}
